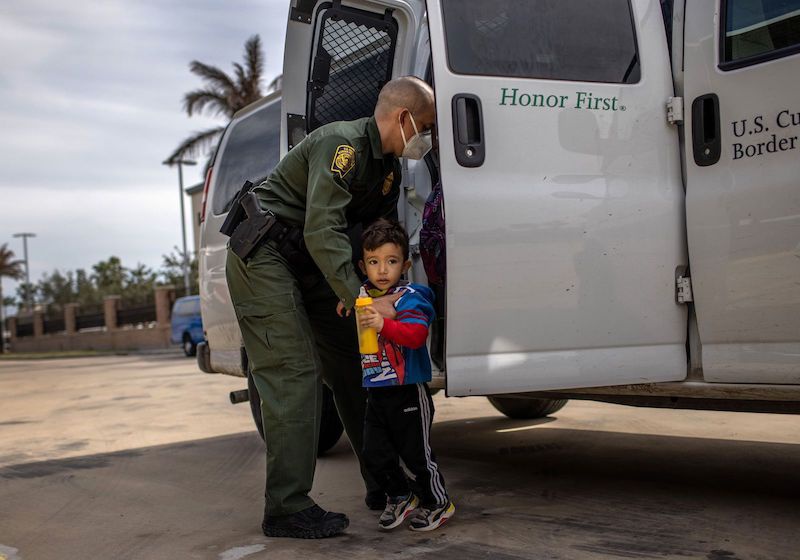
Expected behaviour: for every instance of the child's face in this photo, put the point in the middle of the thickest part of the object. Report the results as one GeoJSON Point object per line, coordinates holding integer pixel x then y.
{"type": "Point", "coordinates": [384, 266]}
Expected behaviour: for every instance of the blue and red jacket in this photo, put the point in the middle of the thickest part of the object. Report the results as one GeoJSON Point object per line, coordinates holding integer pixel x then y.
{"type": "Point", "coordinates": [402, 357]}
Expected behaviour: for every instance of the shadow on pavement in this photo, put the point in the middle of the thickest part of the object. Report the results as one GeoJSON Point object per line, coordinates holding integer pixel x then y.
{"type": "Point", "coordinates": [542, 492]}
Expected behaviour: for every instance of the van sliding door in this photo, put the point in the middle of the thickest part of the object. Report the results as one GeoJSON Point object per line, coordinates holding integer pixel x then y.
{"type": "Point", "coordinates": [742, 100]}
{"type": "Point", "coordinates": [563, 194]}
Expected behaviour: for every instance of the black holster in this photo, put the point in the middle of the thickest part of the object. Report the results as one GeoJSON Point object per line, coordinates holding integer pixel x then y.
{"type": "Point", "coordinates": [253, 230]}
{"type": "Point", "coordinates": [248, 226]}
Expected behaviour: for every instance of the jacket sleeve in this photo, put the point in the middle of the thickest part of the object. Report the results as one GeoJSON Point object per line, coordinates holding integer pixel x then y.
{"type": "Point", "coordinates": [410, 335]}
{"type": "Point", "coordinates": [331, 167]}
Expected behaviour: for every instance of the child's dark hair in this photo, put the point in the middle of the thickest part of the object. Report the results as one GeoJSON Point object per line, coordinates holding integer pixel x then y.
{"type": "Point", "coordinates": [384, 231]}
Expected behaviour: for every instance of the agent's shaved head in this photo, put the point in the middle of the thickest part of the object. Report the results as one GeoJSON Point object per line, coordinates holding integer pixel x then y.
{"type": "Point", "coordinates": [405, 107]}
{"type": "Point", "coordinates": [408, 92]}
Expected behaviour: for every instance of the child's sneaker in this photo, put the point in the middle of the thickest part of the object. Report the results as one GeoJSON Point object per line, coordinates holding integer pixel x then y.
{"type": "Point", "coordinates": [397, 510]}
{"type": "Point", "coordinates": [428, 519]}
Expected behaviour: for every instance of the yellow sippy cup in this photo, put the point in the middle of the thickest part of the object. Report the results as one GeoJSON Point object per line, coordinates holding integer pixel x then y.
{"type": "Point", "coordinates": [367, 337]}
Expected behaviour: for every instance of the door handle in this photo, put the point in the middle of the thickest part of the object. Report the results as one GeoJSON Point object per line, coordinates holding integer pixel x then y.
{"type": "Point", "coordinates": [706, 140]}
{"type": "Point", "coordinates": [468, 138]}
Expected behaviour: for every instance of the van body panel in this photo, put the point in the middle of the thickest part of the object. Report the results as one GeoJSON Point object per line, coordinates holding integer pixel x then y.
{"type": "Point", "coordinates": [743, 212]}
{"type": "Point", "coordinates": [219, 319]}
{"type": "Point", "coordinates": [300, 48]}
{"type": "Point", "coordinates": [563, 246]}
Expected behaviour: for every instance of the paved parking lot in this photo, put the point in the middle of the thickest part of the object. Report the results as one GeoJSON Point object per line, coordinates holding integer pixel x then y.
{"type": "Point", "coordinates": [143, 457]}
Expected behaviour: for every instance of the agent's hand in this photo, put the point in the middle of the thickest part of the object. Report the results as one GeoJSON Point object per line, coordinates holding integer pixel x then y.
{"type": "Point", "coordinates": [369, 317]}
{"type": "Point", "coordinates": [340, 308]}
{"type": "Point", "coordinates": [385, 305]}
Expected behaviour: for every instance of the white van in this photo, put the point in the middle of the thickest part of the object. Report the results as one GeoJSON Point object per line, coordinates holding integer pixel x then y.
{"type": "Point", "coordinates": [621, 182]}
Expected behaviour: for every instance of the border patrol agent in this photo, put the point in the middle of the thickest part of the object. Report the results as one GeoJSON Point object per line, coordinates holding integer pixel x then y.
{"type": "Point", "coordinates": [286, 290]}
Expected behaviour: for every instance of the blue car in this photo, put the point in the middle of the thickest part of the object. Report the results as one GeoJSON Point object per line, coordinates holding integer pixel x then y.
{"type": "Point", "coordinates": [186, 323]}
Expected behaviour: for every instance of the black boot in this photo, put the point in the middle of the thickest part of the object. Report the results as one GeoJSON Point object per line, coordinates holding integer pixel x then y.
{"type": "Point", "coordinates": [310, 523]}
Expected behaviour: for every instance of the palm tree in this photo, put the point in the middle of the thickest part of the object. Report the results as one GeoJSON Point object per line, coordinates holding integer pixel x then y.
{"type": "Point", "coordinates": [12, 269]}
{"type": "Point", "coordinates": [222, 95]}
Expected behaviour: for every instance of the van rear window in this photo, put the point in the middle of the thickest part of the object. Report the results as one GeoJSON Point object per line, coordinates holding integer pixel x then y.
{"type": "Point", "coordinates": [759, 30]}
{"type": "Point", "coordinates": [571, 40]}
{"type": "Point", "coordinates": [250, 153]}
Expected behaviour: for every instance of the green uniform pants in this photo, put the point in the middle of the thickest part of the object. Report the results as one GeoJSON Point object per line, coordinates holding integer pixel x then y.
{"type": "Point", "coordinates": [293, 338]}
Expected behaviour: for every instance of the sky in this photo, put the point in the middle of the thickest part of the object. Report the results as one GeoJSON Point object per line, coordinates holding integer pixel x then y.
{"type": "Point", "coordinates": [91, 104]}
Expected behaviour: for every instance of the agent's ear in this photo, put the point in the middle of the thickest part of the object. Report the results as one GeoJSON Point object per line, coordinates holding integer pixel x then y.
{"type": "Point", "coordinates": [406, 266]}
{"type": "Point", "coordinates": [363, 267]}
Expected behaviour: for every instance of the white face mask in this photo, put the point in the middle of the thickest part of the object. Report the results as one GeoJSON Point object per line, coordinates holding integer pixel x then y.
{"type": "Point", "coordinates": [419, 144]}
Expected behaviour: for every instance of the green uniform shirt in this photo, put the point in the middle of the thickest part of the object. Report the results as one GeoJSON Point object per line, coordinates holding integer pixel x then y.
{"type": "Point", "coordinates": [334, 179]}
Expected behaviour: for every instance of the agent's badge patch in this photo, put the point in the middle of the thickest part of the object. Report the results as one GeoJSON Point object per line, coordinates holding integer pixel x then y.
{"type": "Point", "coordinates": [343, 160]}
{"type": "Point", "coordinates": [387, 183]}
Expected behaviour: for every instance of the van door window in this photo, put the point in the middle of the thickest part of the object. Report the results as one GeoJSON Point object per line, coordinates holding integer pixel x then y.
{"type": "Point", "coordinates": [555, 40]}
{"type": "Point", "coordinates": [354, 58]}
{"type": "Point", "coordinates": [251, 152]}
{"type": "Point", "coordinates": [758, 30]}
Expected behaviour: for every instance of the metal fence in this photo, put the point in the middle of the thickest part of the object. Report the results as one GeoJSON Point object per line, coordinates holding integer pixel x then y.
{"type": "Point", "coordinates": [136, 315]}
{"type": "Point", "coordinates": [90, 321]}
{"type": "Point", "coordinates": [24, 329]}
{"type": "Point", "coordinates": [54, 325]}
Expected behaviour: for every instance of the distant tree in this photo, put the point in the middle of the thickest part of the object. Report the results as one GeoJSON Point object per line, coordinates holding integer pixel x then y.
{"type": "Point", "coordinates": [109, 277]}
{"type": "Point", "coordinates": [222, 95]}
{"type": "Point", "coordinates": [9, 268]}
{"type": "Point", "coordinates": [86, 294]}
{"type": "Point", "coordinates": [25, 293]}
{"type": "Point", "coordinates": [139, 284]}
{"type": "Point", "coordinates": [172, 271]}
{"type": "Point", "coordinates": [56, 290]}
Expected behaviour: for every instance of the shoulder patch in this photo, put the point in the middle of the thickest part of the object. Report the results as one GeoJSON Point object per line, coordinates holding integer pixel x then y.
{"type": "Point", "coordinates": [387, 183]}
{"type": "Point", "coordinates": [343, 160]}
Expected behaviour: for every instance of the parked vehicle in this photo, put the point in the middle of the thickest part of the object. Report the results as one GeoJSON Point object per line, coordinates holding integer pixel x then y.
{"type": "Point", "coordinates": [186, 324]}
{"type": "Point", "coordinates": [620, 182]}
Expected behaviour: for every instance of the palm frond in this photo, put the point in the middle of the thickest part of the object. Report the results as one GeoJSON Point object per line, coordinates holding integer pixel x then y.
{"type": "Point", "coordinates": [254, 61]}
{"type": "Point", "coordinates": [200, 141]}
{"type": "Point", "coordinates": [8, 267]}
{"type": "Point", "coordinates": [214, 76]}
{"type": "Point", "coordinates": [244, 88]}
{"type": "Point", "coordinates": [197, 100]}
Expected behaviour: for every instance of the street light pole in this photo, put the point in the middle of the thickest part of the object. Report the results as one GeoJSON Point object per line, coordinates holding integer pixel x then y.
{"type": "Point", "coordinates": [28, 295]}
{"type": "Point", "coordinates": [180, 163]}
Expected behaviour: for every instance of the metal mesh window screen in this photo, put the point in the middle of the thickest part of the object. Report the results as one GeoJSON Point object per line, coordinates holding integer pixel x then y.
{"type": "Point", "coordinates": [354, 59]}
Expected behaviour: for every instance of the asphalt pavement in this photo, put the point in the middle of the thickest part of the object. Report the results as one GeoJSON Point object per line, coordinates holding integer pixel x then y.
{"type": "Point", "coordinates": [143, 457]}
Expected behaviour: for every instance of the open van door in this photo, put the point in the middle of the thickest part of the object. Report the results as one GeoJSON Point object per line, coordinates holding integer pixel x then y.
{"type": "Point", "coordinates": [337, 57]}
{"type": "Point", "coordinates": [742, 103]}
{"type": "Point", "coordinates": [563, 194]}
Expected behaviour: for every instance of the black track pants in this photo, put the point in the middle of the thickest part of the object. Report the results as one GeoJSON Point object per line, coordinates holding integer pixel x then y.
{"type": "Point", "coordinates": [398, 426]}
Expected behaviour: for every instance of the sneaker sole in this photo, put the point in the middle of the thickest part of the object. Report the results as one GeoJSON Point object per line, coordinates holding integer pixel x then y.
{"type": "Point", "coordinates": [284, 532]}
{"type": "Point", "coordinates": [438, 523]}
{"type": "Point", "coordinates": [406, 514]}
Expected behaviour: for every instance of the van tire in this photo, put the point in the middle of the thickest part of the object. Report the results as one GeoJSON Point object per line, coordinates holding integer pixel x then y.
{"type": "Point", "coordinates": [526, 409]}
{"type": "Point", "coordinates": [330, 425]}
{"type": "Point", "coordinates": [189, 347]}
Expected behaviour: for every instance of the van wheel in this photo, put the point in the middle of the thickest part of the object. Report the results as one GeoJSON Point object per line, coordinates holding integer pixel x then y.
{"type": "Point", "coordinates": [330, 426]}
{"type": "Point", "coordinates": [526, 409]}
{"type": "Point", "coordinates": [189, 347]}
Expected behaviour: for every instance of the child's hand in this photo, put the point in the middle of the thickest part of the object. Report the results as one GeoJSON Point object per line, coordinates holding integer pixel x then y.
{"type": "Point", "coordinates": [369, 317]}
{"type": "Point", "coordinates": [340, 308]}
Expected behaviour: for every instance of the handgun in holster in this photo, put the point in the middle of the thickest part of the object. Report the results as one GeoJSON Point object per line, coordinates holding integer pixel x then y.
{"type": "Point", "coordinates": [253, 226]}
{"type": "Point", "coordinates": [236, 214]}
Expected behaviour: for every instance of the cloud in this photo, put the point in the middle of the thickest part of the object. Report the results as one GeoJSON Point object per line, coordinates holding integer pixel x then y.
{"type": "Point", "coordinates": [91, 104]}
